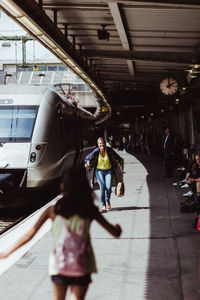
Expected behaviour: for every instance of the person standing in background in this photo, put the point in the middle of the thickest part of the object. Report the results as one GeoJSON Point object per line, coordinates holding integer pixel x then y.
{"type": "Point", "coordinates": [168, 150]}
{"type": "Point", "coordinates": [149, 142]}
{"type": "Point", "coordinates": [124, 143]}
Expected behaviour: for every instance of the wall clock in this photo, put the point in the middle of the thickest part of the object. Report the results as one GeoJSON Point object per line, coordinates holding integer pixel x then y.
{"type": "Point", "coordinates": [169, 86]}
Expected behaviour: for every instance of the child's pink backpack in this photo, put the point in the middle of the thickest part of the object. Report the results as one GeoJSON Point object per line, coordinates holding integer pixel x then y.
{"type": "Point", "coordinates": [72, 253]}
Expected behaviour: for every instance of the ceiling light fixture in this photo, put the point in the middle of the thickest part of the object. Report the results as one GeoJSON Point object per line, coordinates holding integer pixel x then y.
{"type": "Point", "coordinates": [12, 8]}
{"type": "Point", "coordinates": [177, 101]}
{"type": "Point", "coordinates": [48, 42]}
{"type": "Point", "coordinates": [62, 54]}
{"type": "Point", "coordinates": [103, 34]}
{"type": "Point", "coordinates": [194, 69]}
{"type": "Point", "coordinates": [70, 63]}
{"type": "Point", "coordinates": [30, 25]}
{"type": "Point", "coordinates": [196, 66]}
{"type": "Point", "coordinates": [79, 71]}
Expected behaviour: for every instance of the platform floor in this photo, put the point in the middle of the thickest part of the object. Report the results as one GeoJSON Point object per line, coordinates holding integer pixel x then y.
{"type": "Point", "coordinates": [156, 257]}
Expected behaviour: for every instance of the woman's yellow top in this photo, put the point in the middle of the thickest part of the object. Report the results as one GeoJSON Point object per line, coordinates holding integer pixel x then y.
{"type": "Point", "coordinates": [103, 162]}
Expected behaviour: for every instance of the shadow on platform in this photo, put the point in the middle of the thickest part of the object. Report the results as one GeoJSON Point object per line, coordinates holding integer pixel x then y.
{"type": "Point", "coordinates": [175, 265]}
{"type": "Point", "coordinates": [129, 208]}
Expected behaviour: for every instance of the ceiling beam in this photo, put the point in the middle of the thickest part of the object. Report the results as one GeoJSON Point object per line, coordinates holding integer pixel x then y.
{"type": "Point", "coordinates": [127, 78]}
{"type": "Point", "coordinates": [104, 71]}
{"type": "Point", "coordinates": [145, 3]}
{"type": "Point", "coordinates": [111, 27]}
{"type": "Point", "coordinates": [114, 9]}
{"type": "Point", "coordinates": [169, 57]}
{"type": "Point", "coordinates": [68, 6]}
{"type": "Point", "coordinates": [146, 37]}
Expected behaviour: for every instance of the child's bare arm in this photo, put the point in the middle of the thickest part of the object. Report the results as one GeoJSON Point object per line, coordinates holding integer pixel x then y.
{"type": "Point", "coordinates": [29, 235]}
{"type": "Point", "coordinates": [112, 229]}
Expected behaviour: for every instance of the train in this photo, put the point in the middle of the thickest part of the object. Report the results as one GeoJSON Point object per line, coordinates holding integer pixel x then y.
{"type": "Point", "coordinates": [42, 133]}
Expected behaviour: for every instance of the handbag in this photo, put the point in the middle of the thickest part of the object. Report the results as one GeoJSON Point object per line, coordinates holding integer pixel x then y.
{"type": "Point", "coordinates": [119, 189]}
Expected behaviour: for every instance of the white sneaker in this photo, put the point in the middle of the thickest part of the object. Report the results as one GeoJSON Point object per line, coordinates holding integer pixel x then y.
{"type": "Point", "coordinates": [188, 194]}
{"type": "Point", "coordinates": [180, 169]}
{"type": "Point", "coordinates": [179, 182]}
{"type": "Point", "coordinates": [185, 186]}
{"type": "Point", "coordinates": [184, 180]}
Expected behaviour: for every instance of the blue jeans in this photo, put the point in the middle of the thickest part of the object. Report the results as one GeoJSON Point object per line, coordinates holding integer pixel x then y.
{"type": "Point", "coordinates": [104, 178]}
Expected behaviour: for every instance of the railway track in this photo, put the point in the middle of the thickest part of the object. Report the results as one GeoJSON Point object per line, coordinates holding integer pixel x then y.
{"type": "Point", "coordinates": [8, 222]}
{"type": "Point", "coordinates": [9, 217]}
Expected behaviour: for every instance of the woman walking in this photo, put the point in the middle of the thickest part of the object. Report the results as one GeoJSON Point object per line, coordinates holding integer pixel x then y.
{"type": "Point", "coordinates": [104, 160]}
{"type": "Point", "coordinates": [72, 259]}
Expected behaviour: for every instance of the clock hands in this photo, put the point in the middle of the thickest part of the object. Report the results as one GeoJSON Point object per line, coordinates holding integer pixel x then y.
{"type": "Point", "coordinates": [170, 84]}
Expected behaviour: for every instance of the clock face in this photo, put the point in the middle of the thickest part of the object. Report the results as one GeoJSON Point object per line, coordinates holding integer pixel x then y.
{"type": "Point", "coordinates": [169, 86]}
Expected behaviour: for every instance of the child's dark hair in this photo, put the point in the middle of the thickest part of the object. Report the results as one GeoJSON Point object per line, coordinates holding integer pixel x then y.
{"type": "Point", "coordinates": [78, 198]}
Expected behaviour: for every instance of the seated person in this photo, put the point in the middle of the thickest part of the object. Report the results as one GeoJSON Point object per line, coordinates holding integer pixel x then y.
{"type": "Point", "coordinates": [193, 177]}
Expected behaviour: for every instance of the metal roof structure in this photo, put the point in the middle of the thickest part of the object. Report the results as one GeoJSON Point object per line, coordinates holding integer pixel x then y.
{"type": "Point", "coordinates": [122, 49]}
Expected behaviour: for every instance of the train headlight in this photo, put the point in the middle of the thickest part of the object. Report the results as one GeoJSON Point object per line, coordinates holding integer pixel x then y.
{"type": "Point", "coordinates": [33, 157]}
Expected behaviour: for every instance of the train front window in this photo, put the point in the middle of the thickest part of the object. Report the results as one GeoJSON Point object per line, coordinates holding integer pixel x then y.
{"type": "Point", "coordinates": [17, 123]}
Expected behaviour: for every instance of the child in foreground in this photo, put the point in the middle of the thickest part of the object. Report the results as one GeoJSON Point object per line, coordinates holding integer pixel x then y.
{"type": "Point", "coordinates": [72, 260]}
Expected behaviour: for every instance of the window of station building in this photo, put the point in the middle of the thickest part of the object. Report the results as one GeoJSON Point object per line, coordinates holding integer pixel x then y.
{"type": "Point", "coordinates": [42, 68]}
{"type": "Point", "coordinates": [62, 68]}
{"type": "Point", "coordinates": [79, 80]}
{"type": "Point", "coordinates": [83, 87]}
{"type": "Point", "coordinates": [24, 69]}
{"type": "Point", "coordinates": [29, 69]}
{"type": "Point", "coordinates": [52, 68]}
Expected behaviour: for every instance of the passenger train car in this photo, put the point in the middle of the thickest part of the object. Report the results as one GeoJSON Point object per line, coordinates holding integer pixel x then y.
{"type": "Point", "coordinates": [41, 134]}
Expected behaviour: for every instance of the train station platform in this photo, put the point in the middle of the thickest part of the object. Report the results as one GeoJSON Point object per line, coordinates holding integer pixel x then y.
{"type": "Point", "coordinates": [156, 257]}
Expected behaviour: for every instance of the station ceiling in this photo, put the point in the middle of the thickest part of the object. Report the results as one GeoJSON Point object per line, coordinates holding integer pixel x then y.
{"type": "Point", "coordinates": [125, 47]}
